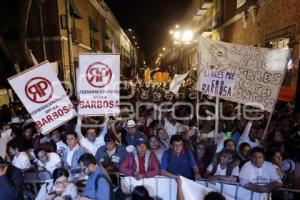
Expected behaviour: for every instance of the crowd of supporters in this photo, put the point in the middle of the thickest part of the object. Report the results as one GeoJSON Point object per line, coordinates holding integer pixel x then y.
{"type": "Point", "coordinates": [144, 142]}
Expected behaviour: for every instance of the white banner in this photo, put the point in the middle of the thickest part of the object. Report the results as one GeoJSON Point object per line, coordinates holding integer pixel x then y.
{"type": "Point", "coordinates": [176, 82]}
{"type": "Point", "coordinates": [218, 83]}
{"type": "Point", "coordinates": [259, 72]}
{"type": "Point", "coordinates": [43, 96]}
{"type": "Point", "coordinates": [98, 84]}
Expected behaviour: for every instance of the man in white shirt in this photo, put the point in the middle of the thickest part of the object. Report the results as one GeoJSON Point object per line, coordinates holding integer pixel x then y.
{"type": "Point", "coordinates": [49, 161]}
{"type": "Point", "coordinates": [259, 175]}
{"type": "Point", "coordinates": [20, 159]}
{"type": "Point", "coordinates": [170, 125]}
{"type": "Point", "coordinates": [91, 142]}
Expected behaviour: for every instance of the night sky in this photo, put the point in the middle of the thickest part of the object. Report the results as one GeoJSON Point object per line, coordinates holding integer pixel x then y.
{"type": "Point", "coordinates": [150, 19]}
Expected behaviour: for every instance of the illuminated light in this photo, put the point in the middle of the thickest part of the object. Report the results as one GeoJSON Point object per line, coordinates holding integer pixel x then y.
{"type": "Point", "coordinates": [177, 26]}
{"type": "Point", "coordinates": [171, 32]}
{"type": "Point", "coordinates": [290, 64]}
{"type": "Point", "coordinates": [164, 48]}
{"type": "Point", "coordinates": [187, 36]}
{"type": "Point", "coordinates": [130, 30]}
{"type": "Point", "coordinates": [177, 35]}
{"type": "Point", "coordinates": [133, 37]}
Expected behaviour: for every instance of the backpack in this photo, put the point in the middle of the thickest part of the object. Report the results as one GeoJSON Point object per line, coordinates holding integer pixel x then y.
{"type": "Point", "coordinates": [115, 192]}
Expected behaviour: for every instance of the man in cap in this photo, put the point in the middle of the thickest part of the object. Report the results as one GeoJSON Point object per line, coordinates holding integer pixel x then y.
{"type": "Point", "coordinates": [133, 135]}
{"type": "Point", "coordinates": [11, 181]}
{"type": "Point", "coordinates": [111, 155]}
{"type": "Point", "coordinates": [141, 163]}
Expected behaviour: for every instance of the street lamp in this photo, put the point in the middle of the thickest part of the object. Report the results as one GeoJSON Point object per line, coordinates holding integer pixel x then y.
{"type": "Point", "coordinates": [182, 37]}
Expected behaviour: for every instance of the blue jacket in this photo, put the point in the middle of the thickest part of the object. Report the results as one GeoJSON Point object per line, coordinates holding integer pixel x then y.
{"type": "Point", "coordinates": [102, 192]}
{"type": "Point", "coordinates": [75, 168]}
{"type": "Point", "coordinates": [133, 141]}
{"type": "Point", "coordinates": [116, 159]}
{"type": "Point", "coordinates": [11, 184]}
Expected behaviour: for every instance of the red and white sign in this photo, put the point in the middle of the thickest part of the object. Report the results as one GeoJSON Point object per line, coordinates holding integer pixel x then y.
{"type": "Point", "coordinates": [43, 96]}
{"type": "Point", "coordinates": [98, 84]}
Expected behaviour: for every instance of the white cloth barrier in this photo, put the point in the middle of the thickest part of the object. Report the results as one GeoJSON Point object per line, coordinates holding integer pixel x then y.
{"type": "Point", "coordinates": [159, 186]}
{"type": "Point", "coordinates": [235, 191]}
{"type": "Point", "coordinates": [194, 191]}
{"type": "Point", "coordinates": [166, 189]}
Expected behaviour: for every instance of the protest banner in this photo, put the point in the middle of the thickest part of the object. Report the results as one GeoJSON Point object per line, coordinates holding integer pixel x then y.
{"type": "Point", "coordinates": [98, 84]}
{"type": "Point", "coordinates": [218, 83]}
{"type": "Point", "coordinates": [43, 96]}
{"type": "Point", "coordinates": [259, 72]}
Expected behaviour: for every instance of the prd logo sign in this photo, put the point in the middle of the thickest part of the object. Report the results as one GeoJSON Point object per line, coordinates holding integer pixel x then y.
{"type": "Point", "coordinates": [38, 90]}
{"type": "Point", "coordinates": [98, 75]}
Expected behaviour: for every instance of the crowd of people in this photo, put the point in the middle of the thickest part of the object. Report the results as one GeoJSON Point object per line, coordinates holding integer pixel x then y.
{"type": "Point", "coordinates": [144, 142]}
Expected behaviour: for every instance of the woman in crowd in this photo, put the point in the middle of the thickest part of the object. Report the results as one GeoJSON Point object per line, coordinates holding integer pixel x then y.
{"type": "Point", "coordinates": [202, 156]}
{"type": "Point", "coordinates": [156, 146]}
{"type": "Point", "coordinates": [60, 188]}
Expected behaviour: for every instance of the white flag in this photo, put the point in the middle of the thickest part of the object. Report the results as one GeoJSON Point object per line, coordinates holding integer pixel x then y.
{"type": "Point", "coordinates": [176, 82]}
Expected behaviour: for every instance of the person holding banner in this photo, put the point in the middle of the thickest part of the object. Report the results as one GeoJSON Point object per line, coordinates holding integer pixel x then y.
{"type": "Point", "coordinates": [92, 141]}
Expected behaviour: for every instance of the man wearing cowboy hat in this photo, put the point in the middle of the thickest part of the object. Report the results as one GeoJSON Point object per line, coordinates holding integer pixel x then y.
{"type": "Point", "coordinates": [133, 135]}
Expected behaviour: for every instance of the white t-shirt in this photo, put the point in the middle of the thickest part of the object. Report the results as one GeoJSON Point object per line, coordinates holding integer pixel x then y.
{"type": "Point", "coordinates": [170, 128]}
{"type": "Point", "coordinates": [222, 172]}
{"type": "Point", "coordinates": [70, 154]}
{"type": "Point", "coordinates": [21, 161]}
{"type": "Point", "coordinates": [258, 176]}
{"type": "Point", "coordinates": [92, 147]}
{"type": "Point", "coordinates": [61, 147]}
{"type": "Point", "coordinates": [52, 163]}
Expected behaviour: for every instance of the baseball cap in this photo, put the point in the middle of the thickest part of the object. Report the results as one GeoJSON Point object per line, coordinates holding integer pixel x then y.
{"type": "Point", "coordinates": [141, 140]}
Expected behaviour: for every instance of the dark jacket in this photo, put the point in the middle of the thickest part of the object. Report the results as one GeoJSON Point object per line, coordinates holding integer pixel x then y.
{"type": "Point", "coordinates": [11, 184]}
